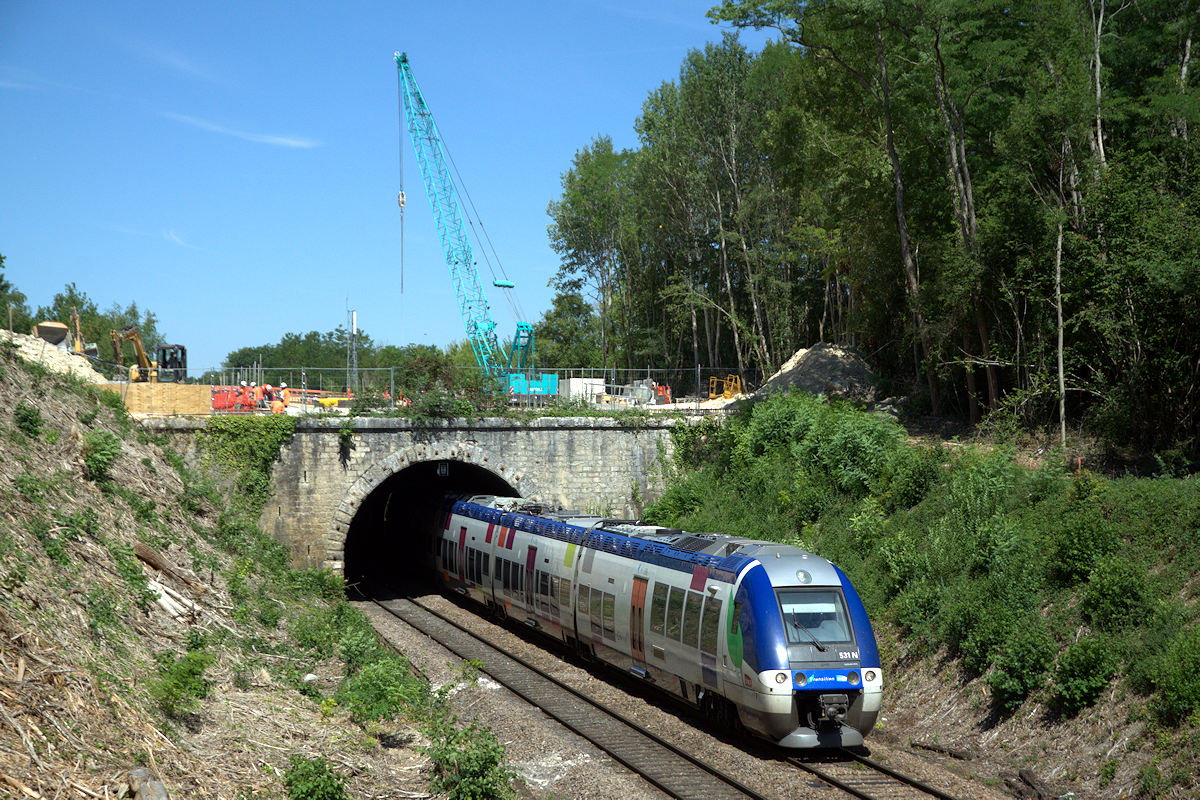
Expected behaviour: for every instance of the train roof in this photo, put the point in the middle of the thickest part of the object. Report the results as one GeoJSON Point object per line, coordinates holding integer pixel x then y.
{"type": "Point", "coordinates": [723, 555]}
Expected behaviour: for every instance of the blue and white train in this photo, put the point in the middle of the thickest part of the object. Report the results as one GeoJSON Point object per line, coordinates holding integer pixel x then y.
{"type": "Point", "coordinates": [753, 633]}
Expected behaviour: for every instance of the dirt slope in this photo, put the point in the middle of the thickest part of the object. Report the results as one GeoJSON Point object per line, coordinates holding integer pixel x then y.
{"type": "Point", "coordinates": [79, 633]}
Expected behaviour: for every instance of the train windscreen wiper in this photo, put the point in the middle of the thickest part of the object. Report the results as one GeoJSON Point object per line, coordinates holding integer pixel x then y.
{"type": "Point", "coordinates": [816, 641]}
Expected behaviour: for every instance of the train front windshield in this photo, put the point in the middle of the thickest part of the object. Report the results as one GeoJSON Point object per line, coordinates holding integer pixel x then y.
{"type": "Point", "coordinates": [818, 614]}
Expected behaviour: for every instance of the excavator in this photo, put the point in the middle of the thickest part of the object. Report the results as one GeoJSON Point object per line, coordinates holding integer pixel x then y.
{"type": "Point", "coordinates": [169, 366]}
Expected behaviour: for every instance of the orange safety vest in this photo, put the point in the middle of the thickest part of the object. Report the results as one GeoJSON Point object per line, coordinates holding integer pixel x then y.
{"type": "Point", "coordinates": [285, 395]}
{"type": "Point", "coordinates": [276, 406]}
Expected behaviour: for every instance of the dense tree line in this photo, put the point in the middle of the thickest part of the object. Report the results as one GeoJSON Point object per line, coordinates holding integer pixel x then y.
{"type": "Point", "coordinates": [997, 202]}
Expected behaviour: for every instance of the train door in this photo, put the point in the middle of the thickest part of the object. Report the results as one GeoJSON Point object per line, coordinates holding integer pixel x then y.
{"type": "Point", "coordinates": [462, 555]}
{"type": "Point", "coordinates": [530, 585]}
{"type": "Point", "coordinates": [637, 627]}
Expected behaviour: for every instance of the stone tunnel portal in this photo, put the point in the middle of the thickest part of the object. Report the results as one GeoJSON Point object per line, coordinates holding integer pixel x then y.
{"type": "Point", "coordinates": [386, 544]}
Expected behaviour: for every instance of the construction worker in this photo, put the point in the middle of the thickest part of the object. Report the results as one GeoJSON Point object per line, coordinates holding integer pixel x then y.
{"type": "Point", "coordinates": [277, 405]}
{"type": "Point", "coordinates": [284, 394]}
{"type": "Point", "coordinates": [241, 396]}
{"type": "Point", "coordinates": [256, 395]}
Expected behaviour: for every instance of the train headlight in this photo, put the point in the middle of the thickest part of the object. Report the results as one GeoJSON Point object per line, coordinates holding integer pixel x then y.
{"type": "Point", "coordinates": [801, 679]}
{"type": "Point", "coordinates": [803, 577]}
{"type": "Point", "coordinates": [869, 676]}
{"type": "Point", "coordinates": [852, 678]}
{"type": "Point", "coordinates": [781, 677]}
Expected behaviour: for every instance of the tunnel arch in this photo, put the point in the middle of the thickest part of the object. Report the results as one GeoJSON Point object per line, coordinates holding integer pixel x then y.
{"type": "Point", "coordinates": [377, 523]}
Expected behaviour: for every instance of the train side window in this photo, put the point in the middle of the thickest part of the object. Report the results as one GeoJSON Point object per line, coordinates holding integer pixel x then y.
{"type": "Point", "coordinates": [691, 622]}
{"type": "Point", "coordinates": [581, 599]}
{"type": "Point", "coordinates": [658, 608]}
{"type": "Point", "coordinates": [675, 613]}
{"type": "Point", "coordinates": [709, 623]}
{"type": "Point", "coordinates": [597, 611]}
{"type": "Point", "coordinates": [564, 597]}
{"type": "Point", "coordinates": [735, 624]}
{"type": "Point", "coordinates": [554, 595]}
{"type": "Point", "coordinates": [485, 559]}
{"type": "Point", "coordinates": [610, 606]}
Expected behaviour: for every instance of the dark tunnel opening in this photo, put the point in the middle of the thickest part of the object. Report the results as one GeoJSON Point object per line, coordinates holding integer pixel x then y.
{"type": "Point", "coordinates": [386, 546]}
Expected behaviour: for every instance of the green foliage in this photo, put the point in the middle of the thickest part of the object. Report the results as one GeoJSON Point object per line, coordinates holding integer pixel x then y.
{"type": "Point", "coordinates": [1177, 678]}
{"type": "Point", "coordinates": [313, 779]}
{"type": "Point", "coordinates": [79, 525]}
{"type": "Point", "coordinates": [180, 684]}
{"type": "Point", "coordinates": [28, 420]}
{"type": "Point", "coordinates": [41, 530]}
{"type": "Point", "coordinates": [468, 762]}
{"type": "Point", "coordinates": [100, 452]}
{"type": "Point", "coordinates": [345, 440]}
{"type": "Point", "coordinates": [1021, 663]}
{"type": "Point", "coordinates": [36, 489]}
{"type": "Point", "coordinates": [439, 403]}
{"type": "Point", "coordinates": [381, 688]}
{"type": "Point", "coordinates": [323, 583]}
{"type": "Point", "coordinates": [112, 400]}
{"type": "Point", "coordinates": [103, 611]}
{"type": "Point", "coordinates": [321, 629]}
{"type": "Point", "coordinates": [130, 570]}
{"type": "Point", "coordinates": [1116, 594]}
{"type": "Point", "coordinates": [1084, 670]}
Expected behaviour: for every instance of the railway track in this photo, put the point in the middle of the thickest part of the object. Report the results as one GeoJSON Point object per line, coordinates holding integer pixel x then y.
{"type": "Point", "coordinates": [674, 771]}
{"type": "Point", "coordinates": [866, 779]}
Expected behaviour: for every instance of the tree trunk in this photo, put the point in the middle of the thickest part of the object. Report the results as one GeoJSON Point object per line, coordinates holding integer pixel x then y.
{"type": "Point", "coordinates": [1062, 383]}
{"type": "Point", "coordinates": [908, 259]}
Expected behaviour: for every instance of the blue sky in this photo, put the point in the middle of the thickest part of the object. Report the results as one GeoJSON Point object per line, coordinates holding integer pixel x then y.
{"type": "Point", "coordinates": [234, 166]}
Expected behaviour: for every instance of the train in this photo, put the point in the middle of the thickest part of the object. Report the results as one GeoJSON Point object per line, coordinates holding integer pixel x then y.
{"type": "Point", "coordinates": [757, 635]}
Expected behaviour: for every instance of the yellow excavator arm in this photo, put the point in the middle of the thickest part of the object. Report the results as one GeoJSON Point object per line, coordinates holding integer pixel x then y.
{"type": "Point", "coordinates": [145, 369]}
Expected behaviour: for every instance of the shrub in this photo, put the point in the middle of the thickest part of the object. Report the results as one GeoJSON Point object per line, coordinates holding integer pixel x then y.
{"type": "Point", "coordinates": [1021, 663]}
{"type": "Point", "coordinates": [313, 779]}
{"type": "Point", "coordinates": [1115, 595]}
{"type": "Point", "coordinates": [1178, 680]}
{"type": "Point", "coordinates": [380, 690]}
{"type": "Point", "coordinates": [320, 631]}
{"type": "Point", "coordinates": [1083, 671]}
{"type": "Point", "coordinates": [323, 583]}
{"type": "Point", "coordinates": [181, 685]}
{"type": "Point", "coordinates": [28, 420]}
{"type": "Point", "coordinates": [468, 763]}
{"type": "Point", "coordinates": [44, 533]}
{"type": "Point", "coordinates": [100, 451]}
{"type": "Point", "coordinates": [1083, 538]}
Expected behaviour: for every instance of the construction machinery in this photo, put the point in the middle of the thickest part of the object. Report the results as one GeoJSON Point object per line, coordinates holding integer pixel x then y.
{"type": "Point", "coordinates": [79, 346]}
{"type": "Point", "coordinates": [169, 366]}
{"type": "Point", "coordinates": [514, 368]}
{"type": "Point", "coordinates": [727, 387]}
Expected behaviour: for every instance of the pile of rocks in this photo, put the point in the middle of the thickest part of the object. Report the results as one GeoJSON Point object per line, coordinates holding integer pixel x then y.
{"type": "Point", "coordinates": [52, 357]}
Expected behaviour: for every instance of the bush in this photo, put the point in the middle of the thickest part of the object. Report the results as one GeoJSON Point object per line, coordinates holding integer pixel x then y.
{"type": "Point", "coordinates": [1084, 537]}
{"type": "Point", "coordinates": [1083, 672]}
{"type": "Point", "coordinates": [323, 583]}
{"type": "Point", "coordinates": [380, 690]}
{"type": "Point", "coordinates": [100, 450]}
{"type": "Point", "coordinates": [1115, 595]}
{"type": "Point", "coordinates": [180, 685]}
{"type": "Point", "coordinates": [313, 779]}
{"type": "Point", "coordinates": [1178, 680]}
{"type": "Point", "coordinates": [28, 420]}
{"type": "Point", "coordinates": [1021, 663]}
{"type": "Point", "coordinates": [468, 763]}
{"type": "Point", "coordinates": [321, 630]}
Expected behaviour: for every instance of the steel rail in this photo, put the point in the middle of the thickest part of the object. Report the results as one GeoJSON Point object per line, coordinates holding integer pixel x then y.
{"type": "Point", "coordinates": [631, 755]}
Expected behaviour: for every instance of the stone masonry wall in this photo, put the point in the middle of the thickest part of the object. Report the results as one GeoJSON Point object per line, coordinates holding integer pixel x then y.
{"type": "Point", "coordinates": [600, 465]}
